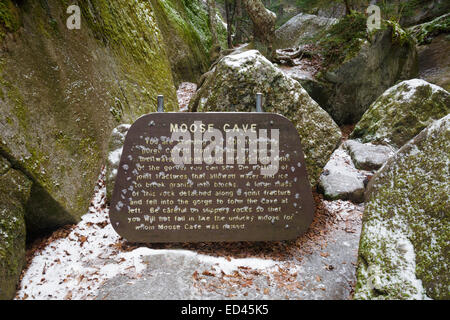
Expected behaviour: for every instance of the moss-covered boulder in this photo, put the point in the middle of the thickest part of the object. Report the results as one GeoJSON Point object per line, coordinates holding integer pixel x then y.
{"type": "Point", "coordinates": [62, 91]}
{"type": "Point", "coordinates": [359, 66]}
{"type": "Point", "coordinates": [187, 38]}
{"type": "Point", "coordinates": [402, 112]}
{"type": "Point", "coordinates": [14, 192]}
{"type": "Point", "coordinates": [115, 147]}
{"type": "Point", "coordinates": [233, 83]}
{"type": "Point", "coordinates": [403, 251]}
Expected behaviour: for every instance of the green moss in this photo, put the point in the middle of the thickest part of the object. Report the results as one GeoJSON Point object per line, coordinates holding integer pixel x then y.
{"type": "Point", "coordinates": [130, 29]}
{"type": "Point", "coordinates": [424, 33]}
{"type": "Point", "coordinates": [9, 18]}
{"type": "Point", "coordinates": [400, 36]}
{"type": "Point", "coordinates": [187, 38]}
{"type": "Point", "coordinates": [391, 119]}
{"type": "Point", "coordinates": [343, 40]}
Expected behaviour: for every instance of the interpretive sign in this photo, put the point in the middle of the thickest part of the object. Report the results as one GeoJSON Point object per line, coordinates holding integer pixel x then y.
{"type": "Point", "coordinates": [189, 177]}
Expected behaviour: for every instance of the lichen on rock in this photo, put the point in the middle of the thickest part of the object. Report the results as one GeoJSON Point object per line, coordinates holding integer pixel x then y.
{"type": "Point", "coordinates": [233, 83]}
{"type": "Point", "coordinates": [401, 112]}
{"type": "Point", "coordinates": [9, 18]}
{"type": "Point", "coordinates": [403, 252]}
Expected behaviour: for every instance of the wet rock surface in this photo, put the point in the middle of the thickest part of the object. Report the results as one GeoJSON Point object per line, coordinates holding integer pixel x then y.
{"type": "Point", "coordinates": [433, 44]}
{"type": "Point", "coordinates": [434, 61]}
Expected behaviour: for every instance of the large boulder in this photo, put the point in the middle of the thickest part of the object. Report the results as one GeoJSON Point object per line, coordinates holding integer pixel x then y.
{"type": "Point", "coordinates": [301, 29]}
{"type": "Point", "coordinates": [358, 66]}
{"type": "Point", "coordinates": [232, 84]}
{"type": "Point", "coordinates": [433, 46]}
{"type": "Point", "coordinates": [62, 91]}
{"type": "Point", "coordinates": [403, 252]}
{"type": "Point", "coordinates": [402, 112]}
{"type": "Point", "coordinates": [14, 193]}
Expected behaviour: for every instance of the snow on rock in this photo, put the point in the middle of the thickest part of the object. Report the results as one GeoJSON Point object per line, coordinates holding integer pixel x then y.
{"type": "Point", "coordinates": [341, 180]}
{"type": "Point", "coordinates": [403, 251]}
{"type": "Point", "coordinates": [232, 84]}
{"type": "Point", "coordinates": [115, 147]}
{"type": "Point", "coordinates": [367, 156]}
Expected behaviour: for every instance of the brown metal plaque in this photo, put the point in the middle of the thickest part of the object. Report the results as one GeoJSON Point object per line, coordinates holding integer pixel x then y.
{"type": "Point", "coordinates": [157, 200]}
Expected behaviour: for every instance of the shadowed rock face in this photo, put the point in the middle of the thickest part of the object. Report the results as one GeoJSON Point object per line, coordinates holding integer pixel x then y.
{"type": "Point", "coordinates": [402, 112]}
{"type": "Point", "coordinates": [62, 91]}
{"type": "Point", "coordinates": [433, 42]}
{"type": "Point", "coordinates": [232, 84]}
{"type": "Point", "coordinates": [420, 11]}
{"type": "Point", "coordinates": [403, 251]}
{"type": "Point", "coordinates": [345, 68]}
{"type": "Point", "coordinates": [434, 61]}
{"type": "Point", "coordinates": [354, 84]}
{"type": "Point", "coordinates": [184, 27]}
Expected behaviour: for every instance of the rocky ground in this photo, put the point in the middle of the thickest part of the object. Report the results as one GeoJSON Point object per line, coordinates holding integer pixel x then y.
{"type": "Point", "coordinates": [90, 261]}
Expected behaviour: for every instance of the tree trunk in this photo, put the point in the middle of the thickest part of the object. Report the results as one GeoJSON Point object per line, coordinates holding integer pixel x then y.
{"type": "Point", "coordinates": [347, 7]}
{"type": "Point", "coordinates": [238, 22]}
{"type": "Point", "coordinates": [212, 22]}
{"type": "Point", "coordinates": [215, 46]}
{"type": "Point", "coordinates": [229, 17]}
{"type": "Point", "coordinates": [263, 25]}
